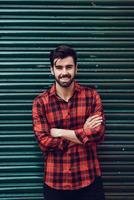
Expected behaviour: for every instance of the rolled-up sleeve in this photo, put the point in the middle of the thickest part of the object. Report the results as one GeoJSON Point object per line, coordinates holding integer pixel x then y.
{"type": "Point", "coordinates": [95, 135]}
{"type": "Point", "coordinates": [42, 131]}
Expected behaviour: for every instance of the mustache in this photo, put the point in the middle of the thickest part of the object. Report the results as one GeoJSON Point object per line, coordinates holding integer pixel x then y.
{"type": "Point", "coordinates": [65, 76]}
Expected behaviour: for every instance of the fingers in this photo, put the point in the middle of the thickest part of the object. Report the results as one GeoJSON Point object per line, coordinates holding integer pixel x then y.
{"type": "Point", "coordinates": [94, 117]}
{"type": "Point", "coordinates": [93, 122]}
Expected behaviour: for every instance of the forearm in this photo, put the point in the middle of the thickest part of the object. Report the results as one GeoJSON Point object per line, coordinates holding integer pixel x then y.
{"type": "Point", "coordinates": [70, 135]}
{"type": "Point", "coordinates": [92, 131]}
{"type": "Point", "coordinates": [91, 135]}
{"type": "Point", "coordinates": [48, 143]}
{"type": "Point", "coordinates": [66, 134]}
{"type": "Point", "coordinates": [42, 130]}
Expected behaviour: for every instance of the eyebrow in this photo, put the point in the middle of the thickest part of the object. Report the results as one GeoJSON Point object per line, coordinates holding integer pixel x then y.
{"type": "Point", "coordinates": [65, 65]}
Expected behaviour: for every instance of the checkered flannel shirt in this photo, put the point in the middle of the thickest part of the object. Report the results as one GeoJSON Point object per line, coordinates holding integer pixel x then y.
{"type": "Point", "coordinates": [68, 168]}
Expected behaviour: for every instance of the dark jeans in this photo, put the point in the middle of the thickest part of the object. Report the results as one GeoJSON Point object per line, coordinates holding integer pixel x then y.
{"type": "Point", "coordinates": [94, 191]}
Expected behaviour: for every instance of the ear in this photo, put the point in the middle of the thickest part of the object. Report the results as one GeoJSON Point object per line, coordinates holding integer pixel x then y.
{"type": "Point", "coordinates": [76, 69]}
{"type": "Point", "coordinates": [52, 71]}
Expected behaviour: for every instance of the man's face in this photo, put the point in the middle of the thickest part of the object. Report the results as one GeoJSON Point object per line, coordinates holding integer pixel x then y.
{"type": "Point", "coordinates": [64, 71]}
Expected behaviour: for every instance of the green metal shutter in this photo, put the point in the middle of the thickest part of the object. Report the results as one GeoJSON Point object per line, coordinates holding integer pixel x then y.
{"type": "Point", "coordinates": [102, 31]}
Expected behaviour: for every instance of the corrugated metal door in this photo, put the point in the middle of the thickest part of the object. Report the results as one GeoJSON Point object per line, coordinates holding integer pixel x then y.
{"type": "Point", "coordinates": [102, 31]}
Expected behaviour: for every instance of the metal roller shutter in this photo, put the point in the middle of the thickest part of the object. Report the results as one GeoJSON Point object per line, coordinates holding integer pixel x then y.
{"type": "Point", "coordinates": [102, 31]}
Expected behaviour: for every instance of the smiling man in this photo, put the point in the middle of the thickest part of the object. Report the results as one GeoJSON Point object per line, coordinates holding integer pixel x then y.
{"type": "Point", "coordinates": [68, 122]}
{"type": "Point", "coordinates": [64, 71]}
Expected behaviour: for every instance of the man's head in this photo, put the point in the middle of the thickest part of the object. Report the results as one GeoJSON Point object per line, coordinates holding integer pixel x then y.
{"type": "Point", "coordinates": [62, 52]}
{"type": "Point", "coordinates": [63, 65]}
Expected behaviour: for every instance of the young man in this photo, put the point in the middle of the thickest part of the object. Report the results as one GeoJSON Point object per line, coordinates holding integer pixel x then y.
{"type": "Point", "coordinates": [68, 122]}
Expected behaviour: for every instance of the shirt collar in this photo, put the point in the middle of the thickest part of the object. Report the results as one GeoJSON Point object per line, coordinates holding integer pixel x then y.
{"type": "Point", "coordinates": [52, 92]}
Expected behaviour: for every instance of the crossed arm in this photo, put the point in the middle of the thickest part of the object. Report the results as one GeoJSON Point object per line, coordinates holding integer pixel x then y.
{"type": "Point", "coordinates": [92, 130]}
{"type": "Point", "coordinates": [54, 138]}
{"type": "Point", "coordinates": [90, 124]}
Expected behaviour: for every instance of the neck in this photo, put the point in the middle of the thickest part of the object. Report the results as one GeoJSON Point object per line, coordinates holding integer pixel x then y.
{"type": "Point", "coordinates": [65, 92]}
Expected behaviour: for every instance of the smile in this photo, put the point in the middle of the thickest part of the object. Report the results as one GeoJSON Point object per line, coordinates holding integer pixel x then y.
{"type": "Point", "coordinates": [66, 78]}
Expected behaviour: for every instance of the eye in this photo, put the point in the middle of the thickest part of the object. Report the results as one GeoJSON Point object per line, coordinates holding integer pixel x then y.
{"type": "Point", "coordinates": [69, 66]}
{"type": "Point", "coordinates": [58, 67]}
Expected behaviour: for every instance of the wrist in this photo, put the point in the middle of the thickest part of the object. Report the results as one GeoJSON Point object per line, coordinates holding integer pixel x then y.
{"type": "Point", "coordinates": [55, 132]}
{"type": "Point", "coordinates": [59, 132]}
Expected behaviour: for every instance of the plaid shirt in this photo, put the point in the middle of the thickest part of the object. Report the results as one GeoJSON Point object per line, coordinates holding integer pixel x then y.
{"type": "Point", "coordinates": [68, 168]}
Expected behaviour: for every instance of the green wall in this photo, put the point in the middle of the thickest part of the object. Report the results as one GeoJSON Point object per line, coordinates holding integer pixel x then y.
{"type": "Point", "coordinates": [102, 31]}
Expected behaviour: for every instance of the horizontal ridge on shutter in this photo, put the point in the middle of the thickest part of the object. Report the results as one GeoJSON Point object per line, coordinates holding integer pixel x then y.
{"type": "Point", "coordinates": [102, 32]}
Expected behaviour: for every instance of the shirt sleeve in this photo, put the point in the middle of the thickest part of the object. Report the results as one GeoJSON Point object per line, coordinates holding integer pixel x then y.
{"type": "Point", "coordinates": [96, 135]}
{"type": "Point", "coordinates": [42, 131]}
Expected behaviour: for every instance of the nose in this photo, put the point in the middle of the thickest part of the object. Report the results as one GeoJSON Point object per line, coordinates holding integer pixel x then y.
{"type": "Point", "coordinates": [64, 71]}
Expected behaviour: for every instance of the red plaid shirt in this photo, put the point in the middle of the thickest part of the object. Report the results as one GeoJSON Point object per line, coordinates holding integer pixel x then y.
{"type": "Point", "coordinates": [68, 168]}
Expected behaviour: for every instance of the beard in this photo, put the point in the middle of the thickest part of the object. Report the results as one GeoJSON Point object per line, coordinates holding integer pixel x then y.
{"type": "Point", "coordinates": [65, 83]}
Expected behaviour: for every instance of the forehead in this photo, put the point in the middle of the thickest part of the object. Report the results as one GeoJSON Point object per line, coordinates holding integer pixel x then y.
{"type": "Point", "coordinates": [65, 61]}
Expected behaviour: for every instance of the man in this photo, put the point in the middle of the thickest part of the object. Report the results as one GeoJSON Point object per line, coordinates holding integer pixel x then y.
{"type": "Point", "coordinates": [68, 122]}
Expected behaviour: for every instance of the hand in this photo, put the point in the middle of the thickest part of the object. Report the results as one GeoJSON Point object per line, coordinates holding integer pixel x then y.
{"type": "Point", "coordinates": [93, 122]}
{"type": "Point", "coordinates": [55, 132]}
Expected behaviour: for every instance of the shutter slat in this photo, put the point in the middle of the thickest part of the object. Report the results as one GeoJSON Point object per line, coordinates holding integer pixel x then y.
{"type": "Point", "coordinates": [102, 32]}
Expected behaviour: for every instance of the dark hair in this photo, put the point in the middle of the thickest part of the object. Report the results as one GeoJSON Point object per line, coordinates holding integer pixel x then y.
{"type": "Point", "coordinates": [63, 52]}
